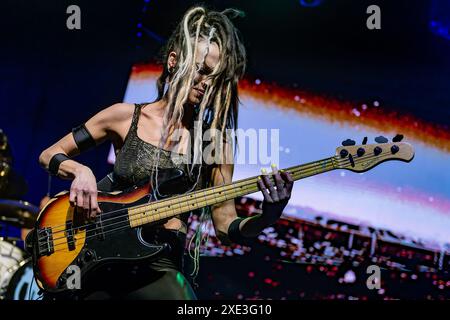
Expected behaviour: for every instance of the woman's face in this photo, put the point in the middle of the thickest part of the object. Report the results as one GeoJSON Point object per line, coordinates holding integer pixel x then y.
{"type": "Point", "coordinates": [201, 82]}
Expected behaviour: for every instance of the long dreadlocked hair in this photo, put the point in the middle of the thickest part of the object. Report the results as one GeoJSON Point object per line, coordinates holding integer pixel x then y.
{"type": "Point", "coordinates": [220, 101]}
{"type": "Point", "coordinates": [219, 106]}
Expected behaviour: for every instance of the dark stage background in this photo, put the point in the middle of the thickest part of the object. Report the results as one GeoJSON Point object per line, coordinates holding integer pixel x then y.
{"type": "Point", "coordinates": [53, 79]}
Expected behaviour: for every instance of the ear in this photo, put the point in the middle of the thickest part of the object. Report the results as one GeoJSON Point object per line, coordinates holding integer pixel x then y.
{"type": "Point", "coordinates": [172, 60]}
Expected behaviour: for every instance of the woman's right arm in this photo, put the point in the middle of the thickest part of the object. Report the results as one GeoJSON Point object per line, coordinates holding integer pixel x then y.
{"type": "Point", "coordinates": [103, 126]}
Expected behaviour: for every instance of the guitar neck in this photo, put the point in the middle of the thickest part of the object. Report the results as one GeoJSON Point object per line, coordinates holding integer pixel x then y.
{"type": "Point", "coordinates": [176, 205]}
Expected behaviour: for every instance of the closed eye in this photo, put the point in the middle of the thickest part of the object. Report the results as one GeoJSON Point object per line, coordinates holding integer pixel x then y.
{"type": "Point", "coordinates": [203, 71]}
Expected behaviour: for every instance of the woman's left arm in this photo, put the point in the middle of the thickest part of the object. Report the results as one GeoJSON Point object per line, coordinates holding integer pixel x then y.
{"type": "Point", "coordinates": [225, 217]}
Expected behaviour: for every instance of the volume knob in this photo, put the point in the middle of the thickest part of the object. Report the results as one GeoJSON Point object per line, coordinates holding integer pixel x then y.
{"type": "Point", "coordinates": [88, 255]}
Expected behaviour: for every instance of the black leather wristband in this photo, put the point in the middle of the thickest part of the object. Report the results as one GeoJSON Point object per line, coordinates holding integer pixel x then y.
{"type": "Point", "coordinates": [55, 161]}
{"type": "Point", "coordinates": [234, 234]}
{"type": "Point", "coordinates": [83, 138]}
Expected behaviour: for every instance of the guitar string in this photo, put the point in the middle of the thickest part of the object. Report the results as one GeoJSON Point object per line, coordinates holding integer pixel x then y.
{"type": "Point", "coordinates": [249, 187]}
{"type": "Point", "coordinates": [172, 210]}
{"type": "Point", "coordinates": [162, 201]}
{"type": "Point", "coordinates": [162, 204]}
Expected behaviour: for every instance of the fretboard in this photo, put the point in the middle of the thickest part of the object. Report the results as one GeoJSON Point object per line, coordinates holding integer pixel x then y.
{"type": "Point", "coordinates": [170, 207]}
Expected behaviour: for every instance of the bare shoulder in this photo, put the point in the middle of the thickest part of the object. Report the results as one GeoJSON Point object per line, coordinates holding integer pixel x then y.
{"type": "Point", "coordinates": [109, 117]}
{"type": "Point", "coordinates": [119, 112]}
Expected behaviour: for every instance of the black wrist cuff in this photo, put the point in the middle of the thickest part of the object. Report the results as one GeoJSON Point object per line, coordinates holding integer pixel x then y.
{"type": "Point", "coordinates": [55, 161]}
{"type": "Point", "coordinates": [83, 138]}
{"type": "Point", "coordinates": [234, 234]}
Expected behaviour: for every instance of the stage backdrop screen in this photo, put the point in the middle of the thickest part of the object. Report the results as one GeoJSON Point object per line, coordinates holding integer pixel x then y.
{"type": "Point", "coordinates": [411, 199]}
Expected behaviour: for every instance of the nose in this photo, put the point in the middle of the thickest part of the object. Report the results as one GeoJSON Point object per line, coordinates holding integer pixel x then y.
{"type": "Point", "coordinates": [205, 82]}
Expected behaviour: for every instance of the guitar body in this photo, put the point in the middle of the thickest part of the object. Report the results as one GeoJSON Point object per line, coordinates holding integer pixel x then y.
{"type": "Point", "coordinates": [93, 247]}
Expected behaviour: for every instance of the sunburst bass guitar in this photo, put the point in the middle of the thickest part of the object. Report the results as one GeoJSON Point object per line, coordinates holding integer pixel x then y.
{"type": "Point", "coordinates": [114, 237]}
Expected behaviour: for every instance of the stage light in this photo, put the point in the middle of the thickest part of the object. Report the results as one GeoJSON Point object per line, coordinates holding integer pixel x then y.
{"type": "Point", "coordinates": [310, 3]}
{"type": "Point", "coordinates": [439, 22]}
{"type": "Point", "coordinates": [356, 112]}
{"type": "Point", "coordinates": [439, 29]}
{"type": "Point", "coordinates": [350, 276]}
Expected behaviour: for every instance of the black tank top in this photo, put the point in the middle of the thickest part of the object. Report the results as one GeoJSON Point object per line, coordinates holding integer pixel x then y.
{"type": "Point", "coordinates": [136, 159]}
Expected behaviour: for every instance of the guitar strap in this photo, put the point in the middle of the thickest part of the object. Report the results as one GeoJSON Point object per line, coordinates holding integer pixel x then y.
{"type": "Point", "coordinates": [107, 184]}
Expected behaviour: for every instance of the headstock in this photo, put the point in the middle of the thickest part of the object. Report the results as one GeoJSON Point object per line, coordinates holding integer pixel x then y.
{"type": "Point", "coordinates": [360, 158]}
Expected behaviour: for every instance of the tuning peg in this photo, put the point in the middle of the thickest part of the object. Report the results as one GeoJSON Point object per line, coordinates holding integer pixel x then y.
{"type": "Point", "coordinates": [364, 140]}
{"type": "Point", "coordinates": [377, 150]}
{"type": "Point", "coordinates": [394, 149]}
{"type": "Point", "coordinates": [397, 138]}
{"type": "Point", "coordinates": [344, 153]}
{"type": "Point", "coordinates": [381, 139]}
{"type": "Point", "coordinates": [360, 152]}
{"type": "Point", "coordinates": [348, 142]}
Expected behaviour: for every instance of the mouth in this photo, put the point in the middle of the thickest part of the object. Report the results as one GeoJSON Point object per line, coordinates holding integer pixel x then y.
{"type": "Point", "coordinates": [202, 92]}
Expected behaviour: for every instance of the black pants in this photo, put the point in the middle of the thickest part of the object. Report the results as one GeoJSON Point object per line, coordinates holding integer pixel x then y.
{"type": "Point", "coordinates": [166, 285]}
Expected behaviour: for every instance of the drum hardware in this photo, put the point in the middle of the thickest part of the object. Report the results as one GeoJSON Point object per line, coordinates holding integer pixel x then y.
{"type": "Point", "coordinates": [12, 185]}
{"type": "Point", "coordinates": [10, 257]}
{"type": "Point", "coordinates": [20, 283]}
{"type": "Point", "coordinates": [18, 213]}
{"type": "Point", "coordinates": [16, 218]}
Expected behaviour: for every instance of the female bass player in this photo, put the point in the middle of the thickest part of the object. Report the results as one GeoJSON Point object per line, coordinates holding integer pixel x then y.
{"type": "Point", "coordinates": [203, 61]}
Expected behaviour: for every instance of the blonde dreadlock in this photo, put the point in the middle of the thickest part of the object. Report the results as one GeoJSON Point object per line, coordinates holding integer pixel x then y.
{"type": "Point", "coordinates": [218, 109]}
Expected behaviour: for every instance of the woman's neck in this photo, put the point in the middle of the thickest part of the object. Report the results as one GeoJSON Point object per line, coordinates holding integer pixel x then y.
{"type": "Point", "coordinates": [188, 115]}
{"type": "Point", "coordinates": [188, 112]}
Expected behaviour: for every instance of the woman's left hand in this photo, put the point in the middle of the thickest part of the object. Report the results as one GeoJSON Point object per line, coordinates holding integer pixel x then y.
{"type": "Point", "coordinates": [275, 199]}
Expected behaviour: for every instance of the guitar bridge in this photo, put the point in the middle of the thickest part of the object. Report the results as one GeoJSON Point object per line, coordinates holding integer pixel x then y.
{"type": "Point", "coordinates": [45, 241]}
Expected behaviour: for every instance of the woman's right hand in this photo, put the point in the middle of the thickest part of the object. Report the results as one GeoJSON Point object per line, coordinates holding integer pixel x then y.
{"type": "Point", "coordinates": [83, 192]}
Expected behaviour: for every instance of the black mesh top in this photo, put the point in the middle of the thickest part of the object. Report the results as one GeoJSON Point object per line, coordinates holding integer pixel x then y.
{"type": "Point", "coordinates": [136, 159]}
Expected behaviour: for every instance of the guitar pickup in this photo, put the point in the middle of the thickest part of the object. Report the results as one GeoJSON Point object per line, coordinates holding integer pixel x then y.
{"type": "Point", "coordinates": [70, 235]}
{"type": "Point", "coordinates": [99, 228]}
